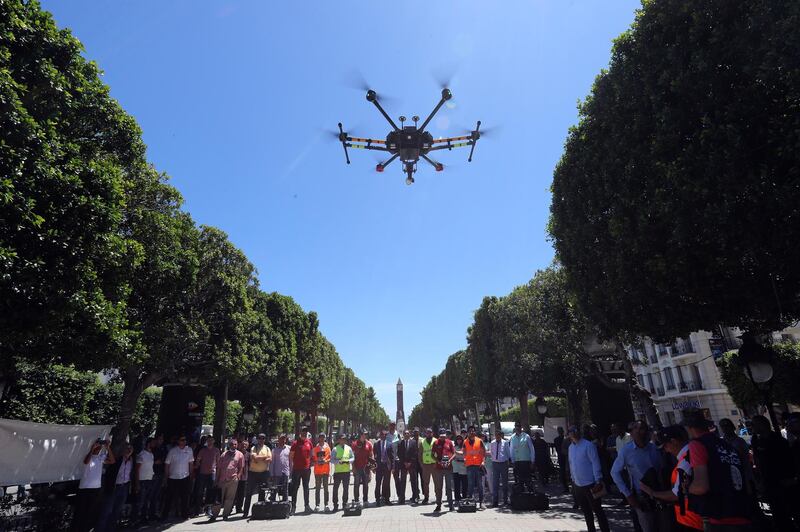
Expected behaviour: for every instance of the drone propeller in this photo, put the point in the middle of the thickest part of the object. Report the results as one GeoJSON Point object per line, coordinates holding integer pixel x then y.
{"type": "Point", "coordinates": [484, 132]}
{"type": "Point", "coordinates": [355, 80]}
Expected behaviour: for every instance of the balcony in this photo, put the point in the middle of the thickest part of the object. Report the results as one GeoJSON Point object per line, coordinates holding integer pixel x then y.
{"type": "Point", "coordinates": [682, 347]}
{"type": "Point", "coordinates": [690, 386]}
{"type": "Point", "coordinates": [662, 351]}
{"type": "Point", "coordinates": [660, 391]}
{"type": "Point", "coordinates": [653, 359]}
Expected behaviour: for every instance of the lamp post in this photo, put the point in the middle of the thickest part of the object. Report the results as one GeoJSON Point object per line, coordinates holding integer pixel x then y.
{"type": "Point", "coordinates": [541, 407]}
{"type": "Point", "coordinates": [756, 359]}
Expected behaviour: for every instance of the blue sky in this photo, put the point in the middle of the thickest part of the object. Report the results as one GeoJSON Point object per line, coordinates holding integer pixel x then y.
{"type": "Point", "coordinates": [234, 98]}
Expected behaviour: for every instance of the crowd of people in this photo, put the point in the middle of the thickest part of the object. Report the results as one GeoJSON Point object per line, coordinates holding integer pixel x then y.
{"type": "Point", "coordinates": [696, 475]}
{"type": "Point", "coordinates": [693, 476]}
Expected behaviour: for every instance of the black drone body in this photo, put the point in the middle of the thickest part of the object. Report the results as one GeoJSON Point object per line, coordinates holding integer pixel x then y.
{"type": "Point", "coordinates": [409, 143]}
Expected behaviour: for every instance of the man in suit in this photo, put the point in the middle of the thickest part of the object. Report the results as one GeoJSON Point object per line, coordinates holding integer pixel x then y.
{"type": "Point", "coordinates": [384, 458]}
{"type": "Point", "coordinates": [407, 460]}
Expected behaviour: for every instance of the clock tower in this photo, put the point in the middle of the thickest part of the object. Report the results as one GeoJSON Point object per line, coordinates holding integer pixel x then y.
{"type": "Point", "coordinates": [401, 417]}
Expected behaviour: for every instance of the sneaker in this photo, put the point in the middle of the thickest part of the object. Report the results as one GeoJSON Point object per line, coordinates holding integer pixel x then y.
{"type": "Point", "coordinates": [437, 509]}
{"type": "Point", "coordinates": [327, 508]}
{"type": "Point", "coordinates": [316, 508]}
{"type": "Point", "coordinates": [308, 509]}
{"type": "Point", "coordinates": [450, 507]}
{"type": "Point", "coordinates": [335, 507]}
{"type": "Point", "coordinates": [424, 501]}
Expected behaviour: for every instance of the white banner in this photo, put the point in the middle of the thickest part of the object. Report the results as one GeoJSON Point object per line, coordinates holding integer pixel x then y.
{"type": "Point", "coordinates": [41, 452]}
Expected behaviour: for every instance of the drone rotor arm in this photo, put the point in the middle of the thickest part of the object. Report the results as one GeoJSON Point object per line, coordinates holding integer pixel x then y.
{"type": "Point", "coordinates": [386, 116]}
{"type": "Point", "coordinates": [436, 165]}
{"type": "Point", "coordinates": [382, 166]}
{"type": "Point", "coordinates": [366, 147]}
{"type": "Point", "coordinates": [450, 146]}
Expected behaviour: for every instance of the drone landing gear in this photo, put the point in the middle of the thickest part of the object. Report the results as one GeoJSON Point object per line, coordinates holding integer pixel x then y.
{"type": "Point", "coordinates": [410, 169]}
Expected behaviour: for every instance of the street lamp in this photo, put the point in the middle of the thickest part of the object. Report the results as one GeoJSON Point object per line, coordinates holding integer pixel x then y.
{"type": "Point", "coordinates": [756, 360]}
{"type": "Point", "coordinates": [541, 405]}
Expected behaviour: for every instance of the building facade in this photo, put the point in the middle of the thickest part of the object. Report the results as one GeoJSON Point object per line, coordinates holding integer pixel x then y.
{"type": "Point", "coordinates": [684, 374]}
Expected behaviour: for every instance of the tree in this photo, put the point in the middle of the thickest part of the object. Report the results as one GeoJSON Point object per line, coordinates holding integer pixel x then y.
{"type": "Point", "coordinates": [65, 150]}
{"type": "Point", "coordinates": [675, 199]}
{"type": "Point", "coordinates": [786, 364]}
{"type": "Point", "coordinates": [161, 315]}
{"type": "Point", "coordinates": [483, 354]}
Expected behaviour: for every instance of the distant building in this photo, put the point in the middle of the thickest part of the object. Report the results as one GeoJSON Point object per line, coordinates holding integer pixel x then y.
{"type": "Point", "coordinates": [683, 374]}
{"type": "Point", "coordinates": [400, 419]}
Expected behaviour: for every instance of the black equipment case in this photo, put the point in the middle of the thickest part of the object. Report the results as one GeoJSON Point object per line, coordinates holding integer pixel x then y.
{"type": "Point", "coordinates": [271, 510]}
{"type": "Point", "coordinates": [525, 501]}
{"type": "Point", "coordinates": [352, 509]}
{"type": "Point", "coordinates": [466, 506]}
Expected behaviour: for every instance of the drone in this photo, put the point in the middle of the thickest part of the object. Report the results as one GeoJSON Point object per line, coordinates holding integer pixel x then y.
{"type": "Point", "coordinates": [409, 143]}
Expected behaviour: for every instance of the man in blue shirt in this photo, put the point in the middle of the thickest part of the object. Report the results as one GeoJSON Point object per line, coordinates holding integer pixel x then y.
{"type": "Point", "coordinates": [500, 456]}
{"type": "Point", "coordinates": [522, 455]}
{"type": "Point", "coordinates": [636, 458]}
{"type": "Point", "coordinates": [587, 479]}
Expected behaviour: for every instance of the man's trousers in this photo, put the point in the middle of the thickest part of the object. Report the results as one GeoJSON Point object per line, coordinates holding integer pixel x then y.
{"type": "Point", "coordinates": [447, 475]}
{"type": "Point", "coordinates": [343, 480]}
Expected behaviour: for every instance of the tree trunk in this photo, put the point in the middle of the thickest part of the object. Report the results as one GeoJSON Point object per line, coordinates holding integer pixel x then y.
{"type": "Point", "coordinates": [314, 425]}
{"type": "Point", "coordinates": [575, 405]}
{"type": "Point", "coordinates": [296, 422]}
{"type": "Point", "coordinates": [220, 412]}
{"type": "Point", "coordinates": [263, 420]}
{"type": "Point", "coordinates": [133, 386]}
{"type": "Point", "coordinates": [642, 395]}
{"type": "Point", "coordinates": [524, 419]}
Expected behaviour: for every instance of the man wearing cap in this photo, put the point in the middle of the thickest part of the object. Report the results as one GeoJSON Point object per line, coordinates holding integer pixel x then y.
{"type": "Point", "coordinates": [675, 440]}
{"type": "Point", "coordinates": [361, 471]}
{"type": "Point", "coordinates": [260, 458]}
{"type": "Point", "coordinates": [342, 457]}
{"type": "Point", "coordinates": [717, 491]}
{"type": "Point", "coordinates": [636, 458]}
{"type": "Point", "coordinates": [321, 456]}
{"type": "Point", "coordinates": [384, 457]}
{"type": "Point", "coordinates": [443, 452]}
{"type": "Point", "coordinates": [427, 461]}
{"type": "Point", "coordinates": [522, 455]}
{"type": "Point", "coordinates": [500, 455]}
{"type": "Point", "coordinates": [587, 479]}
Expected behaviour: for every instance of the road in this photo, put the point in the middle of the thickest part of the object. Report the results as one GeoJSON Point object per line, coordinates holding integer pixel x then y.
{"type": "Point", "coordinates": [560, 517]}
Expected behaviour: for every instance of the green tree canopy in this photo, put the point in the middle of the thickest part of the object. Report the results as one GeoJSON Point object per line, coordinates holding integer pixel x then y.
{"type": "Point", "coordinates": [66, 151]}
{"type": "Point", "coordinates": [675, 201]}
{"type": "Point", "coordinates": [785, 389]}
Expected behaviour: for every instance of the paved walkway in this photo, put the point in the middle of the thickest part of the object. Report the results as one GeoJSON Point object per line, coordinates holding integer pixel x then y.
{"type": "Point", "coordinates": [560, 517]}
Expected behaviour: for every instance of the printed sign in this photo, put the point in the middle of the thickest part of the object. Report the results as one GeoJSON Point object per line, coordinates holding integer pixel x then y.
{"type": "Point", "coordinates": [683, 405]}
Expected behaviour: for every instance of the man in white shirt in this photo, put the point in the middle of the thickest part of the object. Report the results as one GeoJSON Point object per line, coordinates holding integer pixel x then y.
{"type": "Point", "coordinates": [178, 473]}
{"type": "Point", "coordinates": [143, 483]}
{"type": "Point", "coordinates": [88, 499]}
{"type": "Point", "coordinates": [500, 456]}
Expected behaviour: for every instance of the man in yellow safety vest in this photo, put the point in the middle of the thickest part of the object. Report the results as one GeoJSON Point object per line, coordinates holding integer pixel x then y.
{"type": "Point", "coordinates": [342, 457]}
{"type": "Point", "coordinates": [428, 462]}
